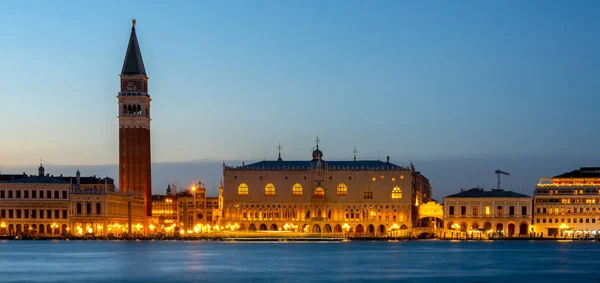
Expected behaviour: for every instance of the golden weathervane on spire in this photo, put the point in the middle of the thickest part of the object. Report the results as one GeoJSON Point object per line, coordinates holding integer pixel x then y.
{"type": "Point", "coordinates": [133, 22]}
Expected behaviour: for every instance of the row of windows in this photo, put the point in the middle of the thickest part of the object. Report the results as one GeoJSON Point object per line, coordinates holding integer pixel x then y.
{"type": "Point", "coordinates": [331, 177]}
{"type": "Point", "coordinates": [34, 194]}
{"type": "Point", "coordinates": [32, 213]}
{"type": "Point", "coordinates": [475, 210]}
{"type": "Point", "coordinates": [566, 191]}
{"type": "Point", "coordinates": [567, 211]}
{"type": "Point", "coordinates": [307, 216]}
{"type": "Point", "coordinates": [88, 208]}
{"type": "Point", "coordinates": [132, 109]}
{"type": "Point", "coordinates": [342, 190]}
{"type": "Point", "coordinates": [568, 220]}
{"type": "Point", "coordinates": [568, 200]}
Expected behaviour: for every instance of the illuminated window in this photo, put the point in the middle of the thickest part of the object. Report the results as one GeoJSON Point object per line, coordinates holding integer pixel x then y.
{"type": "Point", "coordinates": [319, 193]}
{"type": "Point", "coordinates": [401, 177]}
{"type": "Point", "coordinates": [342, 190]}
{"type": "Point", "coordinates": [297, 189]}
{"type": "Point", "coordinates": [374, 178]}
{"type": "Point", "coordinates": [381, 176]}
{"type": "Point", "coordinates": [243, 189]}
{"type": "Point", "coordinates": [487, 210]}
{"type": "Point", "coordinates": [475, 210]}
{"type": "Point", "coordinates": [396, 192]}
{"type": "Point", "coordinates": [269, 190]}
{"type": "Point", "coordinates": [393, 179]}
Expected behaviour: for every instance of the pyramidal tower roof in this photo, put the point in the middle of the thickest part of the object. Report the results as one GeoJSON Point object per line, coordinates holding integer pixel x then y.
{"type": "Point", "coordinates": [133, 65]}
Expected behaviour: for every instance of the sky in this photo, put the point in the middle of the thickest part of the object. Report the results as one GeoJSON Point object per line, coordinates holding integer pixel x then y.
{"type": "Point", "coordinates": [459, 88]}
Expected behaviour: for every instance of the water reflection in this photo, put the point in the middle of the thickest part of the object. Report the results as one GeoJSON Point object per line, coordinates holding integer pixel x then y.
{"type": "Point", "coordinates": [51, 261]}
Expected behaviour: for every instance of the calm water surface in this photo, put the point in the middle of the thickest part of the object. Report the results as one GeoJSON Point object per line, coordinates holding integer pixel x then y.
{"type": "Point", "coordinates": [416, 261]}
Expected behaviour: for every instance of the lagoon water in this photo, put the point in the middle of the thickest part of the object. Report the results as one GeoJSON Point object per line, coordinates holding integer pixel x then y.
{"type": "Point", "coordinates": [413, 261]}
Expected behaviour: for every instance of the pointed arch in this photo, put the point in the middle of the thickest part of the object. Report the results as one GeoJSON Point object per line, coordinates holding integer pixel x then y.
{"type": "Point", "coordinates": [243, 189]}
{"type": "Point", "coordinates": [338, 228]}
{"type": "Point", "coordinates": [319, 193]}
{"type": "Point", "coordinates": [269, 189]}
{"type": "Point", "coordinates": [328, 228]}
{"type": "Point", "coordinates": [297, 189]}
{"type": "Point", "coordinates": [342, 190]}
{"type": "Point", "coordinates": [316, 228]}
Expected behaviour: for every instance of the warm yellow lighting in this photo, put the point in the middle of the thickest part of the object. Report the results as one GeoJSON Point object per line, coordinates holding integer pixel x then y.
{"type": "Point", "coordinates": [297, 189]}
{"type": "Point", "coordinates": [396, 193]}
{"type": "Point", "coordinates": [243, 189]}
{"type": "Point", "coordinates": [193, 188]}
{"type": "Point", "coordinates": [196, 229]}
{"type": "Point", "coordinates": [151, 226]}
{"type": "Point", "coordinates": [487, 210]}
{"type": "Point", "coordinates": [269, 190]}
{"type": "Point", "coordinates": [3, 225]}
{"type": "Point", "coordinates": [346, 227]}
{"type": "Point", "coordinates": [342, 190]}
{"type": "Point", "coordinates": [374, 179]}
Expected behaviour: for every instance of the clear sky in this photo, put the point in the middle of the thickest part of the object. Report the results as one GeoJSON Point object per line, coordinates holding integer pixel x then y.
{"type": "Point", "coordinates": [420, 81]}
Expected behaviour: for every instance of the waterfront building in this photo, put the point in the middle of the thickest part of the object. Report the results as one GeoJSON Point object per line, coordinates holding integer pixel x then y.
{"type": "Point", "coordinates": [568, 205]}
{"type": "Point", "coordinates": [488, 213]}
{"type": "Point", "coordinates": [99, 210]}
{"type": "Point", "coordinates": [135, 176]}
{"type": "Point", "coordinates": [362, 197]}
{"type": "Point", "coordinates": [164, 211]}
{"type": "Point", "coordinates": [189, 210]}
{"type": "Point", "coordinates": [34, 205]}
{"type": "Point", "coordinates": [47, 205]}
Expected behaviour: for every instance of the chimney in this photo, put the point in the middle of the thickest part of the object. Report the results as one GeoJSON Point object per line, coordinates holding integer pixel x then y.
{"type": "Point", "coordinates": [388, 159]}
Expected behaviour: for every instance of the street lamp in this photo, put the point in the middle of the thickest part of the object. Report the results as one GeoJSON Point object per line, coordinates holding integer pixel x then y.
{"type": "Point", "coordinates": [54, 228]}
{"type": "Point", "coordinates": [346, 228]}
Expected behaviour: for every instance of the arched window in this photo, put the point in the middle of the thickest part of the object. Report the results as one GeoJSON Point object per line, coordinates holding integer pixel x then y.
{"type": "Point", "coordinates": [98, 208]}
{"type": "Point", "coordinates": [396, 192]}
{"type": "Point", "coordinates": [139, 109]}
{"type": "Point", "coordinates": [319, 193]}
{"type": "Point", "coordinates": [88, 208]}
{"type": "Point", "coordinates": [297, 189]}
{"type": "Point", "coordinates": [124, 109]}
{"type": "Point", "coordinates": [368, 193]}
{"type": "Point", "coordinates": [342, 190]}
{"type": "Point", "coordinates": [78, 208]}
{"type": "Point", "coordinates": [243, 189]}
{"type": "Point", "coordinates": [128, 109]}
{"type": "Point", "coordinates": [269, 190]}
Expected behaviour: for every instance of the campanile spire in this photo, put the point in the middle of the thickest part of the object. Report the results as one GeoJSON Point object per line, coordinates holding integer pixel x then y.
{"type": "Point", "coordinates": [135, 175]}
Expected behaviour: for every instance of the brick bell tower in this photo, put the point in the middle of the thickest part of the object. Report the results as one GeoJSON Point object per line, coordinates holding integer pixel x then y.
{"type": "Point", "coordinates": [135, 175]}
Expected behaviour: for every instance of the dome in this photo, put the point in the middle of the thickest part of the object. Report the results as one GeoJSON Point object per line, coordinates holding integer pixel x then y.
{"type": "Point", "coordinates": [317, 154]}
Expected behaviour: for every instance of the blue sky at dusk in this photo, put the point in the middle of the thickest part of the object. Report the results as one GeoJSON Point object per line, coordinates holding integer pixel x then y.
{"type": "Point", "coordinates": [456, 87]}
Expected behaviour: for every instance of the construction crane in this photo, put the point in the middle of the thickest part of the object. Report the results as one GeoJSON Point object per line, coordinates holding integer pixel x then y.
{"type": "Point", "coordinates": [498, 173]}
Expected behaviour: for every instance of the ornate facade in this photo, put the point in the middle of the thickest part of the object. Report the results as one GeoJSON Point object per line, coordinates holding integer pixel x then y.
{"type": "Point", "coordinates": [135, 176]}
{"type": "Point", "coordinates": [364, 198]}
{"type": "Point", "coordinates": [488, 213]}
{"type": "Point", "coordinates": [187, 211]}
{"type": "Point", "coordinates": [568, 205]}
